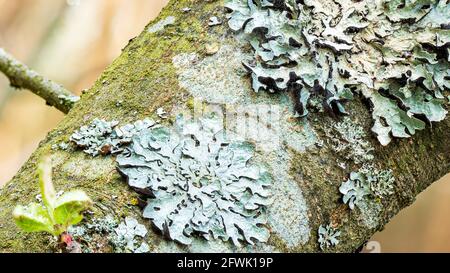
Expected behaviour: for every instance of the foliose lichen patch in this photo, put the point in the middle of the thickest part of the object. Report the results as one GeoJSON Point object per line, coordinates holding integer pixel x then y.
{"type": "Point", "coordinates": [394, 53]}
{"type": "Point", "coordinates": [354, 190]}
{"type": "Point", "coordinates": [201, 184]}
{"type": "Point", "coordinates": [104, 137]}
{"type": "Point", "coordinates": [127, 232]}
{"type": "Point", "coordinates": [368, 182]}
{"type": "Point", "coordinates": [125, 236]}
{"type": "Point", "coordinates": [328, 236]}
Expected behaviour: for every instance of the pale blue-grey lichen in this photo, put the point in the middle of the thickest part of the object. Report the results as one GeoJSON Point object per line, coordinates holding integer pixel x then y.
{"type": "Point", "coordinates": [349, 140]}
{"type": "Point", "coordinates": [368, 182]}
{"type": "Point", "coordinates": [200, 183]}
{"type": "Point", "coordinates": [214, 21]}
{"type": "Point", "coordinates": [161, 113]}
{"type": "Point", "coordinates": [393, 52]}
{"type": "Point", "coordinates": [104, 137]}
{"type": "Point", "coordinates": [62, 145]}
{"type": "Point", "coordinates": [381, 181]}
{"type": "Point", "coordinates": [328, 236]}
{"type": "Point", "coordinates": [216, 79]}
{"type": "Point", "coordinates": [126, 236]}
{"type": "Point", "coordinates": [354, 190]}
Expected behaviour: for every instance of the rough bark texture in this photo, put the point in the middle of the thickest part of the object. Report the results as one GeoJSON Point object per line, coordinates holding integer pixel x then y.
{"type": "Point", "coordinates": [145, 78]}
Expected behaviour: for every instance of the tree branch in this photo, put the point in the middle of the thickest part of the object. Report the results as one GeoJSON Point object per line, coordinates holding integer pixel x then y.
{"type": "Point", "coordinates": [20, 76]}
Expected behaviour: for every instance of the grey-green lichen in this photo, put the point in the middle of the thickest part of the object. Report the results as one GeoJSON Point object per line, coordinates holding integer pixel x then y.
{"type": "Point", "coordinates": [349, 140]}
{"type": "Point", "coordinates": [125, 236]}
{"type": "Point", "coordinates": [354, 190]}
{"type": "Point", "coordinates": [200, 183]}
{"type": "Point", "coordinates": [381, 181]}
{"type": "Point", "coordinates": [328, 236]}
{"type": "Point", "coordinates": [370, 213]}
{"type": "Point", "coordinates": [368, 182]}
{"type": "Point", "coordinates": [393, 52]}
{"type": "Point", "coordinates": [288, 213]}
{"type": "Point", "coordinates": [104, 137]}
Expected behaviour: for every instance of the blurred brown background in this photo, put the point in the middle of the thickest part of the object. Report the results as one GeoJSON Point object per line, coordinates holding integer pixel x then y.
{"type": "Point", "coordinates": [72, 41]}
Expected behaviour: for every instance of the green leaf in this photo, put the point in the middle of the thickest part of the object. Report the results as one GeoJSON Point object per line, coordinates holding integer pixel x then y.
{"type": "Point", "coordinates": [69, 206]}
{"type": "Point", "coordinates": [45, 183]}
{"type": "Point", "coordinates": [58, 213]}
{"type": "Point", "coordinates": [33, 218]}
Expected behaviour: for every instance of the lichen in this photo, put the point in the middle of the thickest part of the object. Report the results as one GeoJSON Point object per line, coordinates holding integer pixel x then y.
{"type": "Point", "coordinates": [104, 137]}
{"type": "Point", "coordinates": [160, 25]}
{"type": "Point", "coordinates": [126, 233]}
{"type": "Point", "coordinates": [354, 190]}
{"type": "Point", "coordinates": [161, 113]}
{"type": "Point", "coordinates": [214, 21]}
{"type": "Point", "coordinates": [201, 183]}
{"type": "Point", "coordinates": [328, 236]}
{"type": "Point", "coordinates": [368, 182]}
{"type": "Point", "coordinates": [125, 236]}
{"type": "Point", "coordinates": [370, 213]}
{"type": "Point", "coordinates": [394, 53]}
{"type": "Point", "coordinates": [216, 78]}
{"type": "Point", "coordinates": [381, 181]}
{"type": "Point", "coordinates": [288, 213]}
{"type": "Point", "coordinates": [349, 140]}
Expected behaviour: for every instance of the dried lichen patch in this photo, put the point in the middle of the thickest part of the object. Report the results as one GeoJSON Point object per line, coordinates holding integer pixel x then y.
{"type": "Point", "coordinates": [269, 126]}
{"type": "Point", "coordinates": [216, 78]}
{"type": "Point", "coordinates": [350, 141]}
{"type": "Point", "coordinates": [370, 213]}
{"type": "Point", "coordinates": [288, 213]}
{"type": "Point", "coordinates": [389, 51]}
{"type": "Point", "coordinates": [160, 25]}
{"type": "Point", "coordinates": [202, 184]}
{"type": "Point", "coordinates": [90, 169]}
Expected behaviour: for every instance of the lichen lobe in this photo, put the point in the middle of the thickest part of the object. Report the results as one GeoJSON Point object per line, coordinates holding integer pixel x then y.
{"type": "Point", "coordinates": [199, 183]}
{"type": "Point", "coordinates": [394, 53]}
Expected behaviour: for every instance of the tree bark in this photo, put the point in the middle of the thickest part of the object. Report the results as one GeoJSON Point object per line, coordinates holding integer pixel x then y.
{"type": "Point", "coordinates": [178, 57]}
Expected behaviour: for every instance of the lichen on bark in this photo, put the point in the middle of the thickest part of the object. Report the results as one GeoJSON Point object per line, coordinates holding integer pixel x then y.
{"type": "Point", "coordinates": [393, 52]}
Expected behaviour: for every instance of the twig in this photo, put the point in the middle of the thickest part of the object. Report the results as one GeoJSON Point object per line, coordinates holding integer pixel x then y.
{"type": "Point", "coordinates": [20, 76]}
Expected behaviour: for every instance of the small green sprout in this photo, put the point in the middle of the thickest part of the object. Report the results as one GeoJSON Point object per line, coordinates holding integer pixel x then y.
{"type": "Point", "coordinates": [56, 214]}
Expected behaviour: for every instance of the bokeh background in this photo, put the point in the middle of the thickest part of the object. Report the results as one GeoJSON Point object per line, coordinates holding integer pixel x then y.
{"type": "Point", "coordinates": [72, 41]}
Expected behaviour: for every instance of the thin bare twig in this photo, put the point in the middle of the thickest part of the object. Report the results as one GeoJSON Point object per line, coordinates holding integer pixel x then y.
{"type": "Point", "coordinates": [20, 76]}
